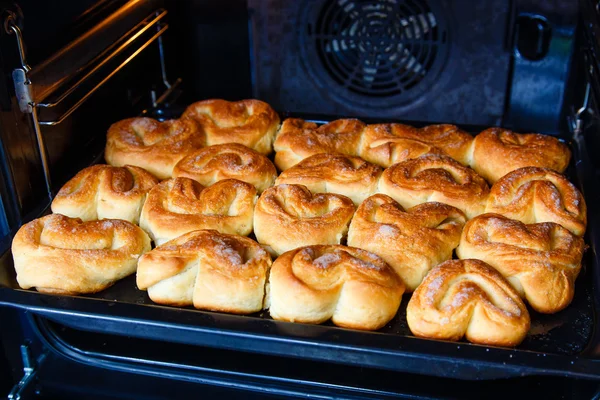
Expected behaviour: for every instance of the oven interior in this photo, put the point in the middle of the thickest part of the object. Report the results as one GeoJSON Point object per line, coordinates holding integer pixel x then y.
{"type": "Point", "coordinates": [513, 64]}
{"type": "Point", "coordinates": [525, 65]}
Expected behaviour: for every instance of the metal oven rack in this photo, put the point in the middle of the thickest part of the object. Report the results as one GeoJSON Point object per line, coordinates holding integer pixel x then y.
{"type": "Point", "coordinates": [59, 81]}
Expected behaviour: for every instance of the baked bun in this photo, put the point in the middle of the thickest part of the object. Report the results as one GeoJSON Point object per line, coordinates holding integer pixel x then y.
{"type": "Point", "coordinates": [62, 255]}
{"type": "Point", "coordinates": [388, 144]}
{"type": "Point", "coordinates": [541, 261]}
{"type": "Point", "coordinates": [533, 195]}
{"type": "Point", "coordinates": [182, 205]}
{"type": "Point", "coordinates": [207, 269]}
{"type": "Point", "coordinates": [435, 178]}
{"type": "Point", "coordinates": [152, 145]}
{"type": "Point", "coordinates": [252, 123]}
{"type": "Point", "coordinates": [453, 141]}
{"type": "Point", "coordinates": [381, 144]}
{"type": "Point", "coordinates": [334, 173]}
{"type": "Point", "coordinates": [496, 152]}
{"type": "Point", "coordinates": [468, 298]}
{"type": "Point", "coordinates": [352, 287]}
{"type": "Point", "coordinates": [105, 192]}
{"type": "Point", "coordinates": [290, 216]}
{"type": "Point", "coordinates": [224, 161]}
{"type": "Point", "coordinates": [298, 139]}
{"type": "Point", "coordinates": [413, 241]}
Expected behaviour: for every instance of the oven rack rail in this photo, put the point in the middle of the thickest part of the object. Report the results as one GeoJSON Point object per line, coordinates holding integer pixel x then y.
{"type": "Point", "coordinates": [61, 82]}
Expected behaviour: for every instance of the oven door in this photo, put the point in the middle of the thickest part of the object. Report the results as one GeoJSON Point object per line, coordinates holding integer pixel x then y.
{"type": "Point", "coordinates": [68, 363]}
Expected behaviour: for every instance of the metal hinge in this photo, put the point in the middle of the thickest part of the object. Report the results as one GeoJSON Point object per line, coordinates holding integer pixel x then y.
{"type": "Point", "coordinates": [578, 117]}
{"type": "Point", "coordinates": [25, 389]}
{"type": "Point", "coordinates": [24, 94]}
{"type": "Point", "coordinates": [23, 88]}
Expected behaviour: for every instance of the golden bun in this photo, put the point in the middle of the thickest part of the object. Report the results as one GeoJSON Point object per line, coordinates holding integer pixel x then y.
{"type": "Point", "coordinates": [227, 161]}
{"type": "Point", "coordinates": [105, 192]}
{"type": "Point", "coordinates": [62, 255]}
{"type": "Point", "coordinates": [452, 140]}
{"type": "Point", "coordinates": [388, 144]}
{"type": "Point", "coordinates": [298, 139]}
{"type": "Point", "coordinates": [381, 144]}
{"type": "Point", "coordinates": [541, 261]}
{"type": "Point", "coordinates": [207, 269]}
{"type": "Point", "coordinates": [533, 195]}
{"type": "Point", "coordinates": [181, 205]}
{"type": "Point", "coordinates": [352, 287]}
{"type": "Point", "coordinates": [152, 145]}
{"type": "Point", "coordinates": [412, 241]}
{"type": "Point", "coordinates": [334, 173]}
{"type": "Point", "coordinates": [496, 152]}
{"type": "Point", "coordinates": [435, 178]}
{"type": "Point", "coordinates": [252, 123]}
{"type": "Point", "coordinates": [290, 216]}
{"type": "Point", "coordinates": [471, 299]}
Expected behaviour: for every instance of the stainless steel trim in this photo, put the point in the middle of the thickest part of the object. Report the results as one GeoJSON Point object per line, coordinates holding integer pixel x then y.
{"type": "Point", "coordinates": [167, 92]}
{"type": "Point", "coordinates": [26, 91]}
{"type": "Point", "coordinates": [10, 23]}
{"type": "Point", "coordinates": [24, 389]}
{"type": "Point", "coordinates": [115, 53]}
{"type": "Point", "coordinates": [43, 153]}
{"type": "Point", "coordinates": [23, 90]}
{"type": "Point", "coordinates": [106, 79]}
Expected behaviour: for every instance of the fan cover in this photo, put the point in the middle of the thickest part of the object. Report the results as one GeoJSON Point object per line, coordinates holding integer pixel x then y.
{"type": "Point", "coordinates": [376, 49]}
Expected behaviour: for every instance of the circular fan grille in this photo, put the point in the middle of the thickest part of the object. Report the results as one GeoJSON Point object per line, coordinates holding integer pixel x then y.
{"type": "Point", "coordinates": [379, 48]}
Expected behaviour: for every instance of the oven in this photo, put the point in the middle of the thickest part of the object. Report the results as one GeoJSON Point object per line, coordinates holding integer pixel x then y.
{"type": "Point", "coordinates": [71, 69]}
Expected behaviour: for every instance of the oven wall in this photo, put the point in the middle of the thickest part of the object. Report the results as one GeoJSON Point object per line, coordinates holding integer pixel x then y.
{"type": "Point", "coordinates": [250, 48]}
{"type": "Point", "coordinates": [328, 55]}
{"type": "Point", "coordinates": [209, 47]}
{"type": "Point", "coordinates": [543, 59]}
{"type": "Point", "coordinates": [424, 60]}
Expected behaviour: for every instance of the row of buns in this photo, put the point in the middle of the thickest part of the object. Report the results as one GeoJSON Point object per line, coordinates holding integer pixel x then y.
{"type": "Point", "coordinates": [287, 217]}
{"type": "Point", "coordinates": [530, 194]}
{"type": "Point", "coordinates": [492, 153]}
{"type": "Point", "coordinates": [231, 273]}
{"type": "Point", "coordinates": [322, 186]}
{"type": "Point", "coordinates": [410, 219]}
{"type": "Point", "coordinates": [158, 146]}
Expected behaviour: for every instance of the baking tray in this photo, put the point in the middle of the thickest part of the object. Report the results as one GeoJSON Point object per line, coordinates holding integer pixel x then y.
{"type": "Point", "coordinates": [562, 344]}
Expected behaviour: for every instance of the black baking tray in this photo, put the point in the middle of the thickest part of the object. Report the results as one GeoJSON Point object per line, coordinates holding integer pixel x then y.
{"type": "Point", "coordinates": [563, 344]}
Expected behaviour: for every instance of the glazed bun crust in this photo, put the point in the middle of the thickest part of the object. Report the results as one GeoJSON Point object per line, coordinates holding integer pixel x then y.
{"type": "Point", "coordinates": [541, 261]}
{"type": "Point", "coordinates": [334, 173]}
{"type": "Point", "coordinates": [290, 216]}
{"type": "Point", "coordinates": [352, 287]}
{"type": "Point", "coordinates": [381, 144]}
{"type": "Point", "coordinates": [532, 195]}
{"type": "Point", "coordinates": [209, 270]}
{"type": "Point", "coordinates": [105, 192]}
{"type": "Point", "coordinates": [412, 241]}
{"type": "Point", "coordinates": [180, 205]}
{"type": "Point", "coordinates": [252, 123]}
{"type": "Point", "coordinates": [388, 144]}
{"type": "Point", "coordinates": [152, 145]}
{"type": "Point", "coordinates": [62, 255]}
{"type": "Point", "coordinates": [452, 140]}
{"type": "Point", "coordinates": [496, 152]}
{"type": "Point", "coordinates": [471, 299]}
{"type": "Point", "coordinates": [227, 161]}
{"type": "Point", "coordinates": [298, 139]}
{"type": "Point", "coordinates": [435, 178]}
